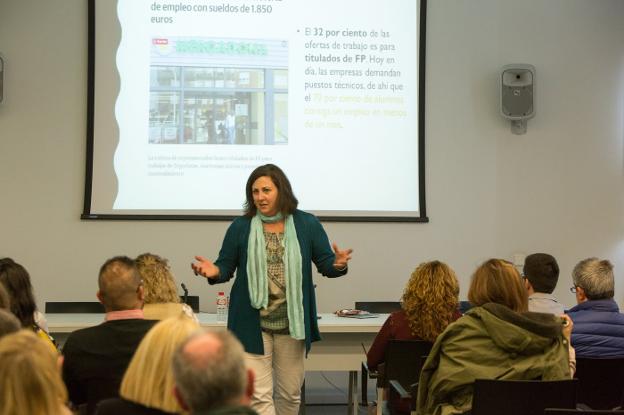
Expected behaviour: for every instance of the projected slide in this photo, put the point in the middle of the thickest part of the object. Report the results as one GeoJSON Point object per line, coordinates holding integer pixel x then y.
{"type": "Point", "coordinates": [190, 96]}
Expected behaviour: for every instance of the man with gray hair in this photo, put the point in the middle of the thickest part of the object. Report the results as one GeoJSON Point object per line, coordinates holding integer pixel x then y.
{"type": "Point", "coordinates": [598, 324]}
{"type": "Point", "coordinates": [211, 377]}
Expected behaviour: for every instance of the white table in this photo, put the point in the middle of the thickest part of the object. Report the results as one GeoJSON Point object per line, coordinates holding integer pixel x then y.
{"type": "Point", "coordinates": [340, 350]}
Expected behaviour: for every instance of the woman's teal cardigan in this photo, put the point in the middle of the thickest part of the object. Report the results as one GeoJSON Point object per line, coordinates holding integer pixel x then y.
{"type": "Point", "coordinates": [243, 319]}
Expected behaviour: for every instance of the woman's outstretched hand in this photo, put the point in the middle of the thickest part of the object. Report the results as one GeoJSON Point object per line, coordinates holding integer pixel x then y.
{"type": "Point", "coordinates": [205, 268]}
{"type": "Point", "coordinates": [342, 257]}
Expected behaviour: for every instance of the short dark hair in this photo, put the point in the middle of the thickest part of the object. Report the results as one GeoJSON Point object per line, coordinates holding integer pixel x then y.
{"type": "Point", "coordinates": [286, 200]}
{"type": "Point", "coordinates": [118, 283]}
{"type": "Point", "coordinates": [542, 271]}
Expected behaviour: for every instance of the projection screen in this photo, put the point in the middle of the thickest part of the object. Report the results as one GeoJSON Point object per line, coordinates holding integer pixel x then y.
{"type": "Point", "coordinates": [187, 97]}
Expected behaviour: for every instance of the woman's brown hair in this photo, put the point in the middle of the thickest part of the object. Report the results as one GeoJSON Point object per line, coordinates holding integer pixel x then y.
{"type": "Point", "coordinates": [498, 281]}
{"type": "Point", "coordinates": [286, 200]}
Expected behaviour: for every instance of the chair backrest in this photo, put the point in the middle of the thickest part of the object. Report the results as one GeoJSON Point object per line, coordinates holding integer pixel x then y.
{"type": "Point", "coordinates": [405, 359]}
{"type": "Point", "coordinates": [96, 307]}
{"type": "Point", "coordinates": [73, 307]}
{"type": "Point", "coordinates": [464, 306]}
{"type": "Point", "coordinates": [601, 382]}
{"type": "Point", "coordinates": [378, 306]}
{"type": "Point", "coordinates": [192, 301]}
{"type": "Point", "coordinates": [559, 411]}
{"type": "Point", "coordinates": [522, 397]}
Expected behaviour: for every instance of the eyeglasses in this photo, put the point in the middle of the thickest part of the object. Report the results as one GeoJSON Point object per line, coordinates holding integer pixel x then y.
{"type": "Point", "coordinates": [573, 289]}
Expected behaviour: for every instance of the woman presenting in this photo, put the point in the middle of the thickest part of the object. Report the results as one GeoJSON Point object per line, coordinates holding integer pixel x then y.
{"type": "Point", "coordinates": [272, 305]}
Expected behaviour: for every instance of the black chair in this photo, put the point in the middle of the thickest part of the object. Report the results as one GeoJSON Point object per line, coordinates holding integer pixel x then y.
{"type": "Point", "coordinates": [601, 382]}
{"type": "Point", "coordinates": [522, 397]}
{"type": "Point", "coordinates": [74, 307]}
{"type": "Point", "coordinates": [464, 306]}
{"type": "Point", "coordinates": [366, 374]}
{"type": "Point", "coordinates": [383, 307]}
{"type": "Point", "coordinates": [558, 411]}
{"type": "Point", "coordinates": [192, 301]}
{"type": "Point", "coordinates": [404, 360]}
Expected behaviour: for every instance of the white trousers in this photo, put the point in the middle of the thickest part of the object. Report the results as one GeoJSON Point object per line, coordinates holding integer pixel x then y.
{"type": "Point", "coordinates": [279, 370]}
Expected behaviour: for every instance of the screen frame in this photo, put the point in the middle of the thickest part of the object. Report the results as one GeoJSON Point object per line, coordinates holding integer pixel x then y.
{"type": "Point", "coordinates": [88, 215]}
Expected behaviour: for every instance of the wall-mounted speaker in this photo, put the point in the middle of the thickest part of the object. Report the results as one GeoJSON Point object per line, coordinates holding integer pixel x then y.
{"type": "Point", "coordinates": [517, 95]}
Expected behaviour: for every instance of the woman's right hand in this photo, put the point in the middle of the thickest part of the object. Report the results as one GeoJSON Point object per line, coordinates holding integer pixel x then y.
{"type": "Point", "coordinates": [205, 268]}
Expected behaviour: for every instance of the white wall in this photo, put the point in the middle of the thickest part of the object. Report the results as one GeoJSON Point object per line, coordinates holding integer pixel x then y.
{"type": "Point", "coordinates": [557, 189]}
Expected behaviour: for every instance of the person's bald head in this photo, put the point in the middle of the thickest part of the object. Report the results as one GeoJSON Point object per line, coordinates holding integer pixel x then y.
{"type": "Point", "coordinates": [202, 350]}
{"type": "Point", "coordinates": [210, 372]}
{"type": "Point", "coordinates": [120, 286]}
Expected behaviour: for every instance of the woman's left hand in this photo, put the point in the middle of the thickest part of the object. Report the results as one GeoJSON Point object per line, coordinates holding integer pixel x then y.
{"type": "Point", "coordinates": [342, 257]}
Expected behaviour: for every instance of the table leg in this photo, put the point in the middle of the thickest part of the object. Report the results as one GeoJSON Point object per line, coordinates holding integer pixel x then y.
{"type": "Point", "coordinates": [353, 398]}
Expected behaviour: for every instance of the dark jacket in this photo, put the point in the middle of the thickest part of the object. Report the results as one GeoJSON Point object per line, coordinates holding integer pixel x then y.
{"type": "Point", "coordinates": [490, 342]}
{"type": "Point", "coordinates": [97, 357]}
{"type": "Point", "coordinates": [243, 319]}
{"type": "Point", "coordinates": [598, 329]}
{"type": "Point", "coordinates": [228, 410]}
{"type": "Point", "coordinates": [121, 406]}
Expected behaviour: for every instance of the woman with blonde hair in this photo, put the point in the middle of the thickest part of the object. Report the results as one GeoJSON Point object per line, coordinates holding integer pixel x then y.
{"type": "Point", "coordinates": [428, 305]}
{"type": "Point", "coordinates": [161, 296]}
{"type": "Point", "coordinates": [30, 378]}
{"type": "Point", "coordinates": [147, 386]}
{"type": "Point", "coordinates": [496, 339]}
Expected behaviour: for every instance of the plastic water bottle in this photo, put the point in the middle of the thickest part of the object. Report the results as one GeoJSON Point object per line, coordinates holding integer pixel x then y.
{"type": "Point", "coordinates": [222, 306]}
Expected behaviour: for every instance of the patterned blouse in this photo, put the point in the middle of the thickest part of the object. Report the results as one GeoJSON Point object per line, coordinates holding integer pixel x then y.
{"type": "Point", "coordinates": [275, 317]}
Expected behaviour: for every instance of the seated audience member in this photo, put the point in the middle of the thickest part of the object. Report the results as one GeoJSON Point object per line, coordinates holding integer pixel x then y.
{"type": "Point", "coordinates": [598, 323]}
{"type": "Point", "coordinates": [541, 273]}
{"type": "Point", "coordinates": [8, 323]}
{"type": "Point", "coordinates": [161, 297]}
{"type": "Point", "coordinates": [496, 339]}
{"type": "Point", "coordinates": [15, 279]}
{"type": "Point", "coordinates": [97, 357]}
{"type": "Point", "coordinates": [30, 379]}
{"type": "Point", "coordinates": [428, 305]}
{"type": "Point", "coordinates": [210, 375]}
{"type": "Point", "coordinates": [147, 386]}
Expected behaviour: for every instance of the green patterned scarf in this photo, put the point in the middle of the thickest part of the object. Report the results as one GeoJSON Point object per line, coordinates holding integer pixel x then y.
{"type": "Point", "coordinates": [257, 271]}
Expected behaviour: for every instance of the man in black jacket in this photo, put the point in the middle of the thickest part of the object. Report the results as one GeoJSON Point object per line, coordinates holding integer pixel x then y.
{"type": "Point", "coordinates": [97, 357]}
